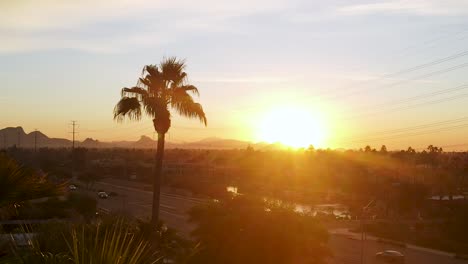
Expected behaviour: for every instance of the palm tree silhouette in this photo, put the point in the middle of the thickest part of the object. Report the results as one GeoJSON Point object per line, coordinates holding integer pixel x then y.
{"type": "Point", "coordinates": [160, 89]}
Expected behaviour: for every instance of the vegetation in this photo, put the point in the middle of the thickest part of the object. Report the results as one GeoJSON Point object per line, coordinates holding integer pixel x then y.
{"type": "Point", "coordinates": [113, 240]}
{"type": "Point", "coordinates": [83, 204]}
{"type": "Point", "coordinates": [159, 89]}
{"type": "Point", "coordinates": [250, 230]}
{"type": "Point", "coordinates": [75, 205]}
{"type": "Point", "coordinates": [399, 182]}
{"type": "Point", "coordinates": [89, 178]}
{"type": "Point", "coordinates": [19, 184]}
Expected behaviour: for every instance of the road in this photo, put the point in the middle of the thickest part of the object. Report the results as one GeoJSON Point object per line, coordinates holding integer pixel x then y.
{"type": "Point", "coordinates": [137, 203]}
{"type": "Point", "coordinates": [346, 249]}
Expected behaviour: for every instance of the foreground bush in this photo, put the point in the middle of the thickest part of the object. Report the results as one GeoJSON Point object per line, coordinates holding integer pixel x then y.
{"type": "Point", "coordinates": [19, 184]}
{"type": "Point", "coordinates": [113, 240]}
{"type": "Point", "coordinates": [248, 230]}
{"type": "Point", "coordinates": [83, 204]}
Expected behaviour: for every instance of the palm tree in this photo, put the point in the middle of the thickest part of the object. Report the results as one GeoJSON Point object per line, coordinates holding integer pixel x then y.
{"type": "Point", "coordinates": [159, 89]}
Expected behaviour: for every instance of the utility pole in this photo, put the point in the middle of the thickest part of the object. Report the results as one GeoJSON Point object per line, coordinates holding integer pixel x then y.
{"type": "Point", "coordinates": [73, 123]}
{"type": "Point", "coordinates": [363, 232]}
{"type": "Point", "coordinates": [35, 140]}
{"type": "Point", "coordinates": [19, 138]}
{"type": "Point", "coordinates": [73, 133]}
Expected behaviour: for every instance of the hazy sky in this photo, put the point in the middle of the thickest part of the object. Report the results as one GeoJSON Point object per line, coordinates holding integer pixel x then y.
{"type": "Point", "coordinates": [68, 60]}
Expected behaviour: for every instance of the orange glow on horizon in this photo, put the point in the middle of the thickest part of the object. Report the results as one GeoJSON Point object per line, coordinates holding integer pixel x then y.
{"type": "Point", "coordinates": [293, 126]}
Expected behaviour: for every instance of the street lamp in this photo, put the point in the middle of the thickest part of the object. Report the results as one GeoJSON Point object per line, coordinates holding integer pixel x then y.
{"type": "Point", "coordinates": [363, 234]}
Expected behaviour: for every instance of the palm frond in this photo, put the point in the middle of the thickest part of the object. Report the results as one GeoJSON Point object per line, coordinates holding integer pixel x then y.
{"type": "Point", "coordinates": [127, 107]}
{"type": "Point", "coordinates": [183, 103]}
{"type": "Point", "coordinates": [154, 106]}
{"type": "Point", "coordinates": [134, 92]}
{"type": "Point", "coordinates": [160, 87]}
{"type": "Point", "coordinates": [190, 88]}
{"type": "Point", "coordinates": [153, 81]}
{"type": "Point", "coordinates": [172, 70]}
{"type": "Point", "coordinates": [151, 69]}
{"type": "Point", "coordinates": [146, 82]}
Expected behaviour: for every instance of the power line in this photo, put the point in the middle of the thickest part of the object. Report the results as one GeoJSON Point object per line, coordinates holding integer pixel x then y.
{"type": "Point", "coordinates": [403, 81]}
{"type": "Point", "coordinates": [452, 98]}
{"type": "Point", "coordinates": [433, 40]}
{"type": "Point", "coordinates": [421, 96]}
{"type": "Point", "coordinates": [407, 135]}
{"type": "Point", "coordinates": [425, 65]}
{"type": "Point", "coordinates": [403, 51]}
{"type": "Point", "coordinates": [412, 128]}
{"type": "Point", "coordinates": [334, 96]}
{"type": "Point", "coordinates": [417, 130]}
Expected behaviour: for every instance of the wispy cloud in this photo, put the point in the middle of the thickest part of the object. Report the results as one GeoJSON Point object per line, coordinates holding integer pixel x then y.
{"type": "Point", "coordinates": [54, 24]}
{"type": "Point", "coordinates": [55, 14]}
{"type": "Point", "coordinates": [243, 80]}
{"type": "Point", "coordinates": [418, 7]}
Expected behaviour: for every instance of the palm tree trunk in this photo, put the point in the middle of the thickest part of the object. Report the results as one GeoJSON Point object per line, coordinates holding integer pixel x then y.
{"type": "Point", "coordinates": [157, 179]}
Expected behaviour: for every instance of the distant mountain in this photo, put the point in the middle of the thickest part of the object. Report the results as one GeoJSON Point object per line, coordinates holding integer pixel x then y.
{"type": "Point", "coordinates": [218, 143]}
{"type": "Point", "coordinates": [15, 136]}
{"type": "Point", "coordinates": [90, 143]}
{"type": "Point", "coordinates": [144, 142]}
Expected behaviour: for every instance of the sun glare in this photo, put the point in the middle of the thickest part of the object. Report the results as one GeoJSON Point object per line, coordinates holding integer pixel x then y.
{"type": "Point", "coordinates": [292, 126]}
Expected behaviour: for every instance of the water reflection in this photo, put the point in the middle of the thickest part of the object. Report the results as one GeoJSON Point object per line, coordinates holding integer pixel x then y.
{"type": "Point", "coordinates": [232, 189]}
{"type": "Point", "coordinates": [335, 209]}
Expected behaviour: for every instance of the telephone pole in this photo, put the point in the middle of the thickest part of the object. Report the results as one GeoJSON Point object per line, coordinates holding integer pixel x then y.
{"type": "Point", "coordinates": [4, 140]}
{"type": "Point", "coordinates": [35, 140]}
{"type": "Point", "coordinates": [73, 123]}
{"type": "Point", "coordinates": [19, 138]}
{"type": "Point", "coordinates": [73, 133]}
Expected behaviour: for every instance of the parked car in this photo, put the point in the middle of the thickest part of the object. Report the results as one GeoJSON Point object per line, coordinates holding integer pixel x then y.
{"type": "Point", "coordinates": [103, 195]}
{"type": "Point", "coordinates": [390, 256]}
{"type": "Point", "coordinates": [72, 187]}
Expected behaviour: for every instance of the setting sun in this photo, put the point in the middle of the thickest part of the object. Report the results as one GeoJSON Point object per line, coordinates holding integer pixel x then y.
{"type": "Point", "coordinates": [291, 126]}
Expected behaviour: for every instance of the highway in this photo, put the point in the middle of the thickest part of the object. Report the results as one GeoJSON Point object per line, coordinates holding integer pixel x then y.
{"type": "Point", "coordinates": [348, 251]}
{"type": "Point", "coordinates": [346, 248]}
{"type": "Point", "coordinates": [137, 203]}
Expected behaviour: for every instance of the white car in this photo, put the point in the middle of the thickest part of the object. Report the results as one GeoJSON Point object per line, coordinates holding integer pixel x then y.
{"type": "Point", "coordinates": [390, 256]}
{"type": "Point", "coordinates": [102, 195]}
{"type": "Point", "coordinates": [72, 187]}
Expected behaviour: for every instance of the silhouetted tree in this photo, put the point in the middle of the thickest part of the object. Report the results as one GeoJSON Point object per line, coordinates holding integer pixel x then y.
{"type": "Point", "coordinates": [433, 159]}
{"type": "Point", "coordinates": [250, 149]}
{"type": "Point", "coordinates": [158, 90]}
{"type": "Point", "coordinates": [410, 150]}
{"type": "Point", "coordinates": [383, 149]}
{"type": "Point", "coordinates": [248, 230]}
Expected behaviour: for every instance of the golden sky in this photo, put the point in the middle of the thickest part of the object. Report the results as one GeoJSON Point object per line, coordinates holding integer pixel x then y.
{"type": "Point", "coordinates": [329, 73]}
